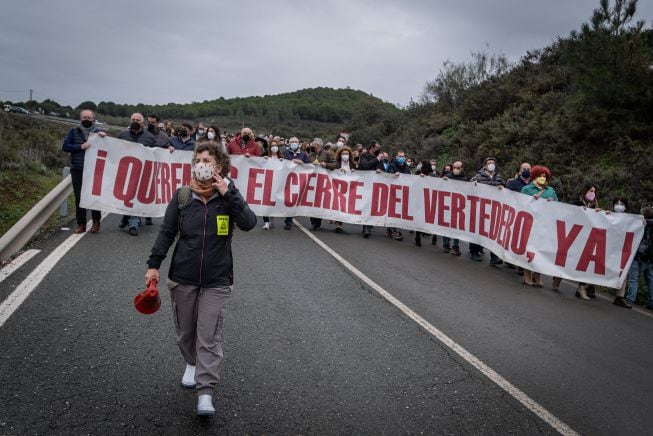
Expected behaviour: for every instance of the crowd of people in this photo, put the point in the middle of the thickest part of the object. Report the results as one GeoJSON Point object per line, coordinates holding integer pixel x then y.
{"type": "Point", "coordinates": [199, 294]}
{"type": "Point", "coordinates": [340, 156]}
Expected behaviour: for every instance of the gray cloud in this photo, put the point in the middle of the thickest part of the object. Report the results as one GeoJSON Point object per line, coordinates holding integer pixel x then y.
{"type": "Point", "coordinates": [159, 52]}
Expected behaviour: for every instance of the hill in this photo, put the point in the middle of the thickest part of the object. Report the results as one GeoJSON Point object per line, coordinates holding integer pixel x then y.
{"type": "Point", "coordinates": [582, 106]}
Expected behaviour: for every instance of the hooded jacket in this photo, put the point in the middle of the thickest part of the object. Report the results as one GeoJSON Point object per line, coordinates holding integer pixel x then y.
{"type": "Point", "coordinates": [202, 256]}
{"type": "Point", "coordinates": [486, 179]}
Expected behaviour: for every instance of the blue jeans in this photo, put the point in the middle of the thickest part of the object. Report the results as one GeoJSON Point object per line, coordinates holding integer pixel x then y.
{"type": "Point", "coordinates": [638, 267]}
{"type": "Point", "coordinates": [134, 221]}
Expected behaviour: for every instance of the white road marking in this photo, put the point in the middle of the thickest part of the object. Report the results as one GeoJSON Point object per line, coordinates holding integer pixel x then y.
{"type": "Point", "coordinates": [495, 377]}
{"type": "Point", "coordinates": [17, 263]}
{"type": "Point", "coordinates": [22, 291]}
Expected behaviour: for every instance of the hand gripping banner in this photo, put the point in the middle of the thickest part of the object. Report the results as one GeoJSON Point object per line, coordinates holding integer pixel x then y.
{"type": "Point", "coordinates": [544, 236]}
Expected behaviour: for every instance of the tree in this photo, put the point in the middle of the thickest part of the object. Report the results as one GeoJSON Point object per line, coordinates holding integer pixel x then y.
{"type": "Point", "coordinates": [86, 105]}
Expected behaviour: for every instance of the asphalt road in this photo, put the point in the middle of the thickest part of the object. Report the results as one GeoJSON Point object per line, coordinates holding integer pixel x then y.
{"type": "Point", "coordinates": [310, 349]}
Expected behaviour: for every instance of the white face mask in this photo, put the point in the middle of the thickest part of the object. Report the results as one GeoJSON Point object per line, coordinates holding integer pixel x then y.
{"type": "Point", "coordinates": [619, 208]}
{"type": "Point", "coordinates": [274, 149]}
{"type": "Point", "coordinates": [432, 167]}
{"type": "Point", "coordinates": [203, 172]}
{"type": "Point", "coordinates": [340, 144]}
{"type": "Point", "coordinates": [345, 158]}
{"type": "Point", "coordinates": [200, 132]}
{"type": "Point", "coordinates": [210, 135]}
{"type": "Point", "coordinates": [491, 168]}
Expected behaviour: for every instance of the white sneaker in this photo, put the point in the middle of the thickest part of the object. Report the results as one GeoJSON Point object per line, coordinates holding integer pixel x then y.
{"type": "Point", "coordinates": [188, 380]}
{"type": "Point", "coordinates": [205, 405]}
{"type": "Point", "coordinates": [266, 226]}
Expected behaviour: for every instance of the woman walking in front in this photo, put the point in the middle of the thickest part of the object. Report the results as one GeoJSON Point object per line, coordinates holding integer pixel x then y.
{"type": "Point", "coordinates": [200, 278]}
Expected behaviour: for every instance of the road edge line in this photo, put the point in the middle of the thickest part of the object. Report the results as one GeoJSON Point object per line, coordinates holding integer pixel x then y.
{"type": "Point", "coordinates": [15, 264]}
{"type": "Point", "coordinates": [495, 377]}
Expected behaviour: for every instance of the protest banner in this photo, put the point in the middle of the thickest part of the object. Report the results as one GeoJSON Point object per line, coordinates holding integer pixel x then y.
{"type": "Point", "coordinates": [544, 236]}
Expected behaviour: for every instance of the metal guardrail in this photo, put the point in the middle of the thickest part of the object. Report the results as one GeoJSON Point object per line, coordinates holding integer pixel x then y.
{"type": "Point", "coordinates": [21, 232]}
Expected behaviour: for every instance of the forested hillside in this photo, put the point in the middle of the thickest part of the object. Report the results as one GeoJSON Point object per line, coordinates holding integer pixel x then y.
{"type": "Point", "coordinates": [582, 106]}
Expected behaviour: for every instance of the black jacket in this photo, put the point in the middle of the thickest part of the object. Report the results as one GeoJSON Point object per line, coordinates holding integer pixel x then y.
{"type": "Point", "coordinates": [73, 145]}
{"type": "Point", "coordinates": [144, 137]}
{"type": "Point", "coordinates": [202, 257]}
{"type": "Point", "coordinates": [369, 162]}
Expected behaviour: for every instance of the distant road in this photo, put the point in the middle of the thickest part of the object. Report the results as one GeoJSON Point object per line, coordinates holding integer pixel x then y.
{"type": "Point", "coordinates": [311, 348]}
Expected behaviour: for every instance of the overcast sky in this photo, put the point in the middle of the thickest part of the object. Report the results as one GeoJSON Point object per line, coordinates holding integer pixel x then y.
{"type": "Point", "coordinates": [171, 51]}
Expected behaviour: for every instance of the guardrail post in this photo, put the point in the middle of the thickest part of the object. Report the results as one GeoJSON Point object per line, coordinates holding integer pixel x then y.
{"type": "Point", "coordinates": [63, 209]}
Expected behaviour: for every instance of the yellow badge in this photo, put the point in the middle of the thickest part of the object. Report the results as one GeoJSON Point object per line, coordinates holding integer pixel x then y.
{"type": "Point", "coordinates": [223, 225]}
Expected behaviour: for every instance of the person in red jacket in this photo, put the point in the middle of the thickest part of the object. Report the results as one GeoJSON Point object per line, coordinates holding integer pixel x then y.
{"type": "Point", "coordinates": [244, 144]}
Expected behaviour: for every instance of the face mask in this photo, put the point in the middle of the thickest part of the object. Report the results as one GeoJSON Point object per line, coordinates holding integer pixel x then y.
{"type": "Point", "coordinates": [619, 208]}
{"type": "Point", "coordinates": [419, 167]}
{"type": "Point", "coordinates": [526, 174]}
{"type": "Point", "coordinates": [385, 161]}
{"type": "Point", "coordinates": [401, 160]}
{"type": "Point", "coordinates": [182, 132]}
{"type": "Point", "coordinates": [294, 146]}
{"type": "Point", "coordinates": [541, 181]}
{"type": "Point", "coordinates": [345, 158]}
{"type": "Point", "coordinates": [150, 128]}
{"type": "Point", "coordinates": [200, 132]}
{"type": "Point", "coordinates": [376, 152]}
{"type": "Point", "coordinates": [135, 126]}
{"type": "Point", "coordinates": [491, 168]}
{"type": "Point", "coordinates": [590, 196]}
{"type": "Point", "coordinates": [203, 172]}
{"type": "Point", "coordinates": [432, 167]}
{"type": "Point", "coordinates": [245, 138]}
{"type": "Point", "coordinates": [210, 135]}
{"type": "Point", "coordinates": [87, 123]}
{"type": "Point", "coordinates": [340, 144]}
{"type": "Point", "coordinates": [456, 171]}
{"type": "Point", "coordinates": [409, 164]}
{"type": "Point", "coordinates": [274, 149]}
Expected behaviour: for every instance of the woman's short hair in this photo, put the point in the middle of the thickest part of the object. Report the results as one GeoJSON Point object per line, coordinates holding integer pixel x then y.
{"type": "Point", "coordinates": [215, 150]}
{"type": "Point", "coordinates": [539, 170]}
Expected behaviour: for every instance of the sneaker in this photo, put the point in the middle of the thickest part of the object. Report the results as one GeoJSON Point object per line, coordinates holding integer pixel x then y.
{"type": "Point", "coordinates": [649, 307]}
{"type": "Point", "coordinates": [188, 379]}
{"type": "Point", "coordinates": [476, 257]}
{"type": "Point", "coordinates": [205, 405]}
{"type": "Point", "coordinates": [388, 233]}
{"type": "Point", "coordinates": [80, 229]}
{"type": "Point", "coordinates": [315, 228]}
{"type": "Point", "coordinates": [133, 231]}
{"type": "Point", "coordinates": [446, 249]}
{"type": "Point", "coordinates": [366, 234]}
{"type": "Point", "coordinates": [455, 250]}
{"type": "Point", "coordinates": [496, 262]}
{"type": "Point", "coordinates": [591, 291]}
{"type": "Point", "coordinates": [339, 228]}
{"type": "Point", "coordinates": [123, 222]}
{"type": "Point", "coordinates": [288, 226]}
{"type": "Point", "coordinates": [95, 227]}
{"type": "Point", "coordinates": [148, 221]}
{"type": "Point", "coordinates": [622, 302]}
{"type": "Point", "coordinates": [397, 236]}
{"type": "Point", "coordinates": [266, 226]}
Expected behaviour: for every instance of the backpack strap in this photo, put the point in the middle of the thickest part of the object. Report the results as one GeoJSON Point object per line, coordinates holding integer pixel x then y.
{"type": "Point", "coordinates": [184, 198]}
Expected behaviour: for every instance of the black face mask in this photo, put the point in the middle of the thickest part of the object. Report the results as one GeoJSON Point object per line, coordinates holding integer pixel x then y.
{"type": "Point", "coordinates": [182, 132]}
{"type": "Point", "coordinates": [246, 138]}
{"type": "Point", "coordinates": [151, 128]}
{"type": "Point", "coordinates": [135, 126]}
{"type": "Point", "coordinates": [87, 123]}
{"type": "Point", "coordinates": [376, 152]}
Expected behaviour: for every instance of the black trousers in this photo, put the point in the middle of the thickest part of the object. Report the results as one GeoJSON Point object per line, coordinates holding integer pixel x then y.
{"type": "Point", "coordinates": [80, 213]}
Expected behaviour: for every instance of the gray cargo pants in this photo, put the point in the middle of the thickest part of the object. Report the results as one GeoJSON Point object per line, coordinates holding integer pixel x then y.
{"type": "Point", "coordinates": [198, 314]}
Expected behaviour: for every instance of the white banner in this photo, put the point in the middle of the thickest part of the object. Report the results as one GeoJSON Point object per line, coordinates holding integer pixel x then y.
{"type": "Point", "coordinates": [549, 237]}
